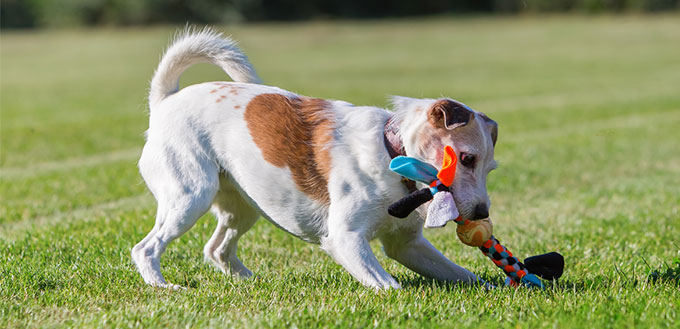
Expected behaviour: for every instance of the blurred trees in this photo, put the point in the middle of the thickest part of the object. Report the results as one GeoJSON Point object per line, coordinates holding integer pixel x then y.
{"type": "Point", "coordinates": [40, 13]}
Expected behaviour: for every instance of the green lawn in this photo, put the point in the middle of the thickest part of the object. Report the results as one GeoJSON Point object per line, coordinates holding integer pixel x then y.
{"type": "Point", "coordinates": [589, 153]}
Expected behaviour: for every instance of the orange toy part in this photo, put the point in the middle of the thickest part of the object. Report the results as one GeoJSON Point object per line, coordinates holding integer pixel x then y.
{"type": "Point", "coordinates": [448, 171]}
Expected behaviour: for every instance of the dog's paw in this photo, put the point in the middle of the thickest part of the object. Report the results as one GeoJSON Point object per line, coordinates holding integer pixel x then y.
{"type": "Point", "coordinates": [386, 285]}
{"type": "Point", "coordinates": [241, 273]}
{"type": "Point", "coordinates": [175, 287]}
{"type": "Point", "coordinates": [168, 286]}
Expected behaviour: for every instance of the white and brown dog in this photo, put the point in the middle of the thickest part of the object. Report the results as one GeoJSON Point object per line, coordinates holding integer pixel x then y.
{"type": "Point", "coordinates": [315, 168]}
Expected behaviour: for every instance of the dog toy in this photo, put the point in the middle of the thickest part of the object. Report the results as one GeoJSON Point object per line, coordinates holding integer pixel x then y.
{"type": "Point", "coordinates": [478, 233]}
{"type": "Point", "coordinates": [443, 208]}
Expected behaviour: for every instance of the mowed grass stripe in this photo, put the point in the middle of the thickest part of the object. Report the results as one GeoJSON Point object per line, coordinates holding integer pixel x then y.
{"type": "Point", "coordinates": [575, 126]}
{"type": "Point", "coordinates": [16, 230]}
{"type": "Point", "coordinates": [65, 191]}
{"type": "Point", "coordinates": [595, 128]}
{"type": "Point", "coordinates": [23, 172]}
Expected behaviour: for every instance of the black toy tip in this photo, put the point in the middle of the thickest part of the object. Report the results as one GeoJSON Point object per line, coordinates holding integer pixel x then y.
{"type": "Point", "coordinates": [548, 266]}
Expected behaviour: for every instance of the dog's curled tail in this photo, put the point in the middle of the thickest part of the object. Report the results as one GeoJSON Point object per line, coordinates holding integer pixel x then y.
{"type": "Point", "coordinates": [199, 46]}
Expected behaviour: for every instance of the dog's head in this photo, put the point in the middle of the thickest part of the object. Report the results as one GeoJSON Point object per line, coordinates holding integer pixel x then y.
{"type": "Point", "coordinates": [427, 125]}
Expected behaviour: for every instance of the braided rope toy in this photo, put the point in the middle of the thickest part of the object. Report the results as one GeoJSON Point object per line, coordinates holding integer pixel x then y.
{"type": "Point", "coordinates": [473, 233]}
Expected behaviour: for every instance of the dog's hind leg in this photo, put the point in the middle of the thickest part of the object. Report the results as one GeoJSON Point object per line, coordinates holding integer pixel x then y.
{"type": "Point", "coordinates": [184, 189]}
{"type": "Point", "coordinates": [234, 217]}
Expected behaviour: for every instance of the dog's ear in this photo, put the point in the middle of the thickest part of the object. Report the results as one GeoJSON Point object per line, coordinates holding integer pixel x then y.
{"type": "Point", "coordinates": [449, 114]}
{"type": "Point", "coordinates": [491, 126]}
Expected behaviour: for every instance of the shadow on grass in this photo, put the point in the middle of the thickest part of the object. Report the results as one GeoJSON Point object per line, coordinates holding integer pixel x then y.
{"type": "Point", "coordinates": [558, 285]}
{"type": "Point", "coordinates": [574, 286]}
{"type": "Point", "coordinates": [419, 282]}
{"type": "Point", "coordinates": [667, 273]}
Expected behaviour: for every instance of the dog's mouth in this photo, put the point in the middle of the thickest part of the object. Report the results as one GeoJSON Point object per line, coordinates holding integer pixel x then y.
{"type": "Point", "coordinates": [471, 214]}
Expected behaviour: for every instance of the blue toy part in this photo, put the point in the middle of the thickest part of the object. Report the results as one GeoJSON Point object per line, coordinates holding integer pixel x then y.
{"type": "Point", "coordinates": [529, 280]}
{"type": "Point", "coordinates": [532, 281]}
{"type": "Point", "coordinates": [414, 169]}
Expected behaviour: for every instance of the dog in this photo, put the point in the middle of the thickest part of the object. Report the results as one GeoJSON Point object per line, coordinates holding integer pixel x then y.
{"type": "Point", "coordinates": [316, 168]}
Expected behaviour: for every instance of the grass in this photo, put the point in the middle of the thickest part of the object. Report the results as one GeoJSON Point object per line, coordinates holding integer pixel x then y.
{"type": "Point", "coordinates": [589, 112]}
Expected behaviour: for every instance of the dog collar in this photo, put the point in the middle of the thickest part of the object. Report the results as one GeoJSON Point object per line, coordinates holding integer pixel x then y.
{"type": "Point", "coordinates": [395, 148]}
{"type": "Point", "coordinates": [392, 140]}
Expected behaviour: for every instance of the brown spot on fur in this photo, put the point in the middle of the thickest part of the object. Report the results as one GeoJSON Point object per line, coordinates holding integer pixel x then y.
{"type": "Point", "coordinates": [294, 132]}
{"type": "Point", "coordinates": [223, 86]}
{"type": "Point", "coordinates": [223, 96]}
{"type": "Point", "coordinates": [237, 106]}
{"type": "Point", "coordinates": [233, 91]}
{"type": "Point", "coordinates": [213, 91]}
{"type": "Point", "coordinates": [218, 100]}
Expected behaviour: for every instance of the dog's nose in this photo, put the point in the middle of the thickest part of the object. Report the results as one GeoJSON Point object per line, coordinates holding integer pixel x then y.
{"type": "Point", "coordinates": [481, 211]}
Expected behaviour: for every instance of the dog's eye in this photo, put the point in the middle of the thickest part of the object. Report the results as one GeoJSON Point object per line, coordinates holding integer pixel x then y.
{"type": "Point", "coordinates": [468, 160]}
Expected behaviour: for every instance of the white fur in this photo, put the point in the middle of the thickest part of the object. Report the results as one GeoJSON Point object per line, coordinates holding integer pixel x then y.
{"type": "Point", "coordinates": [200, 156]}
{"type": "Point", "coordinates": [192, 47]}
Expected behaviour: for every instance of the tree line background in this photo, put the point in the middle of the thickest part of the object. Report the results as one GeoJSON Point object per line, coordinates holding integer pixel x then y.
{"type": "Point", "coordinates": [47, 13]}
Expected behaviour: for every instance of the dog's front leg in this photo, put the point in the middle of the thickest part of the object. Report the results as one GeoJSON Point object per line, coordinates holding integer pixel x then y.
{"type": "Point", "coordinates": [353, 252]}
{"type": "Point", "coordinates": [412, 250]}
{"type": "Point", "coordinates": [347, 243]}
